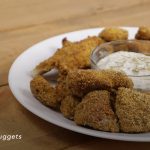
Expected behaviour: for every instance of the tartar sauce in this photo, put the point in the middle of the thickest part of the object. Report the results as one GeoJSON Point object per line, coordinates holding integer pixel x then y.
{"type": "Point", "coordinates": [132, 63]}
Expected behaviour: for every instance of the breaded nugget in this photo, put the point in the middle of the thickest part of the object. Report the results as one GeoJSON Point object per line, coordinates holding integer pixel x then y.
{"type": "Point", "coordinates": [68, 105]}
{"type": "Point", "coordinates": [143, 33]}
{"type": "Point", "coordinates": [44, 92]}
{"type": "Point", "coordinates": [113, 34]}
{"type": "Point", "coordinates": [61, 88]}
{"type": "Point", "coordinates": [133, 110]}
{"type": "Point", "coordinates": [71, 56]}
{"type": "Point", "coordinates": [80, 82]}
{"type": "Point", "coordinates": [120, 79]}
{"type": "Point", "coordinates": [95, 111]}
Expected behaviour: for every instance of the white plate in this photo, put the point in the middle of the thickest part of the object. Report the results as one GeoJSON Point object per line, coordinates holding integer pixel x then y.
{"type": "Point", "coordinates": [20, 77]}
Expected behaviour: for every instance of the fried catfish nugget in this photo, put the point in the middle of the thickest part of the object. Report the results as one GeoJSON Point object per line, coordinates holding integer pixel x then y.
{"type": "Point", "coordinates": [113, 34]}
{"type": "Point", "coordinates": [120, 79]}
{"type": "Point", "coordinates": [80, 82]}
{"type": "Point", "coordinates": [95, 111]}
{"type": "Point", "coordinates": [143, 33]}
{"type": "Point", "coordinates": [133, 110]}
{"type": "Point", "coordinates": [70, 56]}
{"type": "Point", "coordinates": [44, 92]}
{"type": "Point", "coordinates": [61, 88]}
{"type": "Point", "coordinates": [68, 105]}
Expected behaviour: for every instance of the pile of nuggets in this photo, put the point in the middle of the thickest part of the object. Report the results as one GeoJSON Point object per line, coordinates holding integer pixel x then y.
{"type": "Point", "coordinates": [103, 100]}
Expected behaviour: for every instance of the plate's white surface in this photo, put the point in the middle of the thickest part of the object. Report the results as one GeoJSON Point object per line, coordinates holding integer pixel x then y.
{"type": "Point", "coordinates": [20, 77]}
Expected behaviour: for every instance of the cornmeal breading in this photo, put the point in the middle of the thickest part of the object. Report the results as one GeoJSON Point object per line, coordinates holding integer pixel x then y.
{"type": "Point", "coordinates": [61, 88]}
{"type": "Point", "coordinates": [44, 92]}
{"type": "Point", "coordinates": [120, 79]}
{"type": "Point", "coordinates": [95, 111]}
{"type": "Point", "coordinates": [143, 33]}
{"type": "Point", "coordinates": [133, 110]}
{"type": "Point", "coordinates": [68, 106]}
{"type": "Point", "coordinates": [80, 82]}
{"type": "Point", "coordinates": [113, 34]}
{"type": "Point", "coordinates": [71, 56]}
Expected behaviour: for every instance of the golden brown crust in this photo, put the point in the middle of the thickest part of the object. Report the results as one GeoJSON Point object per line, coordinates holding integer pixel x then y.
{"type": "Point", "coordinates": [44, 92]}
{"type": "Point", "coordinates": [120, 79]}
{"type": "Point", "coordinates": [48, 95]}
{"type": "Point", "coordinates": [73, 56]}
{"type": "Point", "coordinates": [68, 106]}
{"type": "Point", "coordinates": [61, 88]}
{"type": "Point", "coordinates": [80, 82]}
{"type": "Point", "coordinates": [95, 111]}
{"type": "Point", "coordinates": [66, 42]}
{"type": "Point", "coordinates": [113, 34]}
{"type": "Point", "coordinates": [133, 110]}
{"type": "Point", "coordinates": [143, 33]}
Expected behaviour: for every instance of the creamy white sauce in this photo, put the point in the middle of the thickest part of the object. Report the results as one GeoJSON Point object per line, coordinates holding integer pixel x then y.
{"type": "Point", "coordinates": [136, 65]}
{"type": "Point", "coordinates": [133, 64]}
